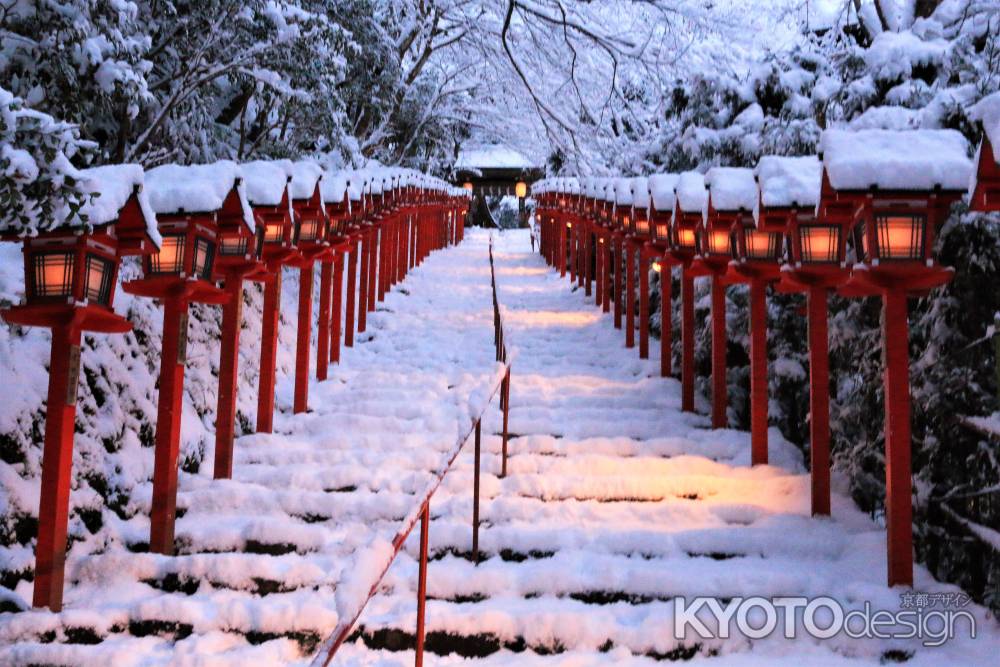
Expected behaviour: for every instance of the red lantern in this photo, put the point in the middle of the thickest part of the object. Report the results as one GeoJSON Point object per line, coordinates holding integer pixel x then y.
{"type": "Point", "coordinates": [732, 194]}
{"type": "Point", "coordinates": [788, 189]}
{"type": "Point", "coordinates": [240, 244]}
{"type": "Point", "coordinates": [660, 190]}
{"type": "Point", "coordinates": [899, 196]}
{"type": "Point", "coordinates": [310, 240]}
{"type": "Point", "coordinates": [691, 198]}
{"type": "Point", "coordinates": [70, 276]}
{"type": "Point", "coordinates": [188, 201]}
{"type": "Point", "coordinates": [267, 193]}
{"type": "Point", "coordinates": [333, 188]}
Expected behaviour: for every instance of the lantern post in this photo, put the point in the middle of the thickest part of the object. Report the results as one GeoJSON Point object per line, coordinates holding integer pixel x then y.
{"type": "Point", "coordinates": [271, 203]}
{"type": "Point", "coordinates": [188, 201]}
{"type": "Point", "coordinates": [70, 275]}
{"type": "Point", "coordinates": [690, 199]}
{"type": "Point", "coordinates": [333, 188]}
{"type": "Point", "coordinates": [641, 237]}
{"type": "Point", "coordinates": [786, 188]}
{"type": "Point", "coordinates": [240, 243]}
{"type": "Point", "coordinates": [817, 265]}
{"type": "Point", "coordinates": [355, 210]}
{"type": "Point", "coordinates": [619, 218]}
{"type": "Point", "coordinates": [660, 194]}
{"type": "Point", "coordinates": [310, 239]}
{"type": "Point", "coordinates": [609, 225]}
{"type": "Point", "coordinates": [895, 215]}
{"type": "Point", "coordinates": [732, 195]}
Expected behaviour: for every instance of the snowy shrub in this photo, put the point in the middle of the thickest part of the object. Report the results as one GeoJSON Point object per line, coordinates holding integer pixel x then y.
{"type": "Point", "coordinates": [38, 184]}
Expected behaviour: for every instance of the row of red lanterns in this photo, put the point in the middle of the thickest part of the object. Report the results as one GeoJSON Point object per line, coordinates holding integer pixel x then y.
{"type": "Point", "coordinates": [859, 219]}
{"type": "Point", "coordinates": [202, 231]}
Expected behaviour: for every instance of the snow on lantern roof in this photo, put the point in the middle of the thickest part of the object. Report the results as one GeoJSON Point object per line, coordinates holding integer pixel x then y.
{"type": "Point", "coordinates": [622, 189]}
{"type": "Point", "coordinates": [494, 156]}
{"type": "Point", "coordinates": [788, 181]}
{"type": "Point", "coordinates": [661, 188]}
{"type": "Point", "coordinates": [731, 188]}
{"type": "Point", "coordinates": [895, 159]}
{"type": "Point", "coordinates": [197, 188]}
{"type": "Point", "coordinates": [266, 181]}
{"type": "Point", "coordinates": [574, 185]}
{"type": "Point", "coordinates": [640, 192]}
{"type": "Point", "coordinates": [305, 175]}
{"type": "Point", "coordinates": [690, 190]}
{"type": "Point", "coordinates": [987, 112]}
{"type": "Point", "coordinates": [333, 186]}
{"type": "Point", "coordinates": [114, 184]}
{"type": "Point", "coordinates": [355, 183]}
{"type": "Point", "coordinates": [608, 189]}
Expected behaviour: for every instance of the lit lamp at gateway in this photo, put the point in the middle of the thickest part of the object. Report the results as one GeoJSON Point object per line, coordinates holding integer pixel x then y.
{"type": "Point", "coordinates": [188, 202]}
{"type": "Point", "coordinates": [896, 213]}
{"type": "Point", "coordinates": [70, 272]}
{"type": "Point", "coordinates": [660, 192]}
{"type": "Point", "coordinates": [521, 189]}
{"type": "Point", "coordinates": [689, 199]}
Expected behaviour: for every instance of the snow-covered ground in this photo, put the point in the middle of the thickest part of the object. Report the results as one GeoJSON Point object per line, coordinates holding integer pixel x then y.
{"type": "Point", "coordinates": [616, 503]}
{"type": "Point", "coordinates": [269, 561]}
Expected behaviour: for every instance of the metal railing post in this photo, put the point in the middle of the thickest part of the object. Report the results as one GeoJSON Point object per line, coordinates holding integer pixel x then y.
{"type": "Point", "coordinates": [475, 495]}
{"type": "Point", "coordinates": [418, 660]}
{"type": "Point", "coordinates": [505, 398]}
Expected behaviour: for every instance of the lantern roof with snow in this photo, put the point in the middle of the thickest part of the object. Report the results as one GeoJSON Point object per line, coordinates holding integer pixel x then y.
{"type": "Point", "coordinates": [333, 187]}
{"type": "Point", "coordinates": [908, 160]}
{"type": "Point", "coordinates": [306, 175]}
{"type": "Point", "coordinates": [266, 181]}
{"type": "Point", "coordinates": [730, 189]}
{"type": "Point", "coordinates": [691, 194]}
{"type": "Point", "coordinates": [788, 182]}
{"type": "Point", "coordinates": [200, 188]}
{"type": "Point", "coordinates": [622, 188]}
{"type": "Point", "coordinates": [640, 192]}
{"type": "Point", "coordinates": [661, 191]}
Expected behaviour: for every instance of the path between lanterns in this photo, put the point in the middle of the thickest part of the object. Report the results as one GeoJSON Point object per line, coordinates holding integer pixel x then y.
{"type": "Point", "coordinates": [616, 503]}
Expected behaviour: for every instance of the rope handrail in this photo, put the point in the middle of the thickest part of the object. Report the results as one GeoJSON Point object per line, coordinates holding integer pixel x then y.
{"type": "Point", "coordinates": [500, 383]}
